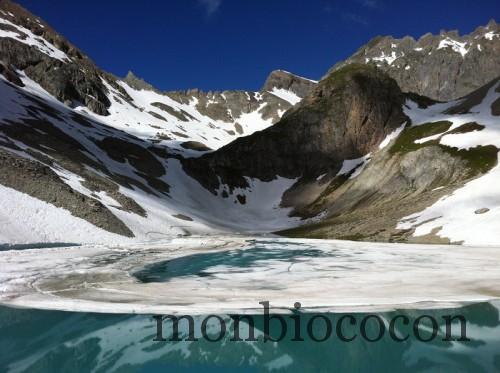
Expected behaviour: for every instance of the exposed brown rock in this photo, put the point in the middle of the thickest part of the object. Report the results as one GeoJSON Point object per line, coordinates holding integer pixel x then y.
{"type": "Point", "coordinates": [472, 99]}
{"type": "Point", "coordinates": [195, 145]}
{"type": "Point", "coordinates": [345, 117]}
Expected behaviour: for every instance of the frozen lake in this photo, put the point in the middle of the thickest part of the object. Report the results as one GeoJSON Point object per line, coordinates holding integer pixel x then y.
{"type": "Point", "coordinates": [218, 274]}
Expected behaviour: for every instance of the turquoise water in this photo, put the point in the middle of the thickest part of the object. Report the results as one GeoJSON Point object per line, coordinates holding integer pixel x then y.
{"type": "Point", "coordinates": [49, 341]}
{"type": "Point", "coordinates": [198, 264]}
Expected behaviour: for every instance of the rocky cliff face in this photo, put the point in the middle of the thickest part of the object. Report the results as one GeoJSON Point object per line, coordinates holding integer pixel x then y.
{"type": "Point", "coordinates": [347, 115]}
{"type": "Point", "coordinates": [444, 67]}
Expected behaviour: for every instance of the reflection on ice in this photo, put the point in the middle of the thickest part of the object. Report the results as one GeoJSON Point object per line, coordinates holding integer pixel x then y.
{"type": "Point", "coordinates": [33, 340]}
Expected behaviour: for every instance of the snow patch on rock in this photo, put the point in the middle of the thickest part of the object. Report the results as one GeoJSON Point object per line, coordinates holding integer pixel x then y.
{"type": "Point", "coordinates": [457, 46]}
{"type": "Point", "coordinates": [25, 36]}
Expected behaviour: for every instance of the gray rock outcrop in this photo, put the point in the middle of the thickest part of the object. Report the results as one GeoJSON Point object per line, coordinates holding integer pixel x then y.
{"type": "Point", "coordinates": [443, 67]}
{"type": "Point", "coordinates": [281, 79]}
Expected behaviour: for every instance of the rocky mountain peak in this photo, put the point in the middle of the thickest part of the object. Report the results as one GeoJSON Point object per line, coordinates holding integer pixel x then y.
{"type": "Point", "coordinates": [138, 83]}
{"type": "Point", "coordinates": [450, 33]}
{"type": "Point", "coordinates": [281, 79]}
{"type": "Point", "coordinates": [443, 67]}
{"type": "Point", "coordinates": [492, 24]}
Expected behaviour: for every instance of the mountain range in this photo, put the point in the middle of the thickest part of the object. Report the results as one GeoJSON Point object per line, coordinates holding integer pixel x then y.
{"type": "Point", "coordinates": [397, 143]}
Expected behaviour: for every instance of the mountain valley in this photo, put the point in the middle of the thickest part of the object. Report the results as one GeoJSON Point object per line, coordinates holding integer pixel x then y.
{"type": "Point", "coordinates": [398, 143]}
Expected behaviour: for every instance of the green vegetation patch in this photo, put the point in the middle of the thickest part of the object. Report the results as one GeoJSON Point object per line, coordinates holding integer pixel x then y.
{"type": "Point", "coordinates": [405, 142]}
{"type": "Point", "coordinates": [467, 127]}
{"type": "Point", "coordinates": [183, 217]}
{"type": "Point", "coordinates": [314, 230]}
{"type": "Point", "coordinates": [479, 160]}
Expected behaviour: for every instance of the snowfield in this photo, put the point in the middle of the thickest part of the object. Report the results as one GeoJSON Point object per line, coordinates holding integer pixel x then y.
{"type": "Point", "coordinates": [455, 45]}
{"type": "Point", "coordinates": [286, 95]}
{"type": "Point", "coordinates": [147, 121]}
{"type": "Point", "coordinates": [25, 219]}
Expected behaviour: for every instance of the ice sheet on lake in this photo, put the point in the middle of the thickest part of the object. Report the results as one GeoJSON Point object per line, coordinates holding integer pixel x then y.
{"type": "Point", "coordinates": [233, 274]}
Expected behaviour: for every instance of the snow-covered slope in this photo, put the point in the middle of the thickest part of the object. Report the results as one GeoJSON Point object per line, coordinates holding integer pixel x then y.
{"type": "Point", "coordinates": [173, 202]}
{"type": "Point", "coordinates": [470, 214]}
{"type": "Point", "coordinates": [25, 36]}
{"type": "Point", "coordinates": [156, 116]}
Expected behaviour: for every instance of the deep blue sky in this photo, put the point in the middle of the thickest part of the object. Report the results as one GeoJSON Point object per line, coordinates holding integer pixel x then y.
{"type": "Point", "coordinates": [234, 44]}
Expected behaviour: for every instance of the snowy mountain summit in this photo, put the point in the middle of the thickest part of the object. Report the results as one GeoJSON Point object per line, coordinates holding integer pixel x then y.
{"type": "Point", "coordinates": [370, 152]}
